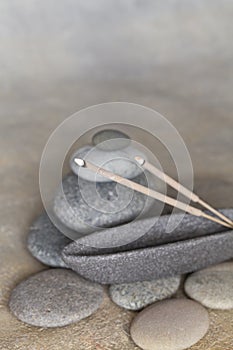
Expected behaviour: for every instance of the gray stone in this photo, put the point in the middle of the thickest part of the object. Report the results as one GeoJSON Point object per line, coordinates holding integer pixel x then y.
{"type": "Point", "coordinates": [153, 263]}
{"type": "Point", "coordinates": [45, 242]}
{"type": "Point", "coordinates": [120, 162]}
{"type": "Point", "coordinates": [174, 324]}
{"type": "Point", "coordinates": [55, 298]}
{"type": "Point", "coordinates": [212, 287]}
{"type": "Point", "coordinates": [86, 206]}
{"type": "Point", "coordinates": [135, 296]}
{"type": "Point", "coordinates": [146, 233]}
{"type": "Point", "coordinates": [110, 140]}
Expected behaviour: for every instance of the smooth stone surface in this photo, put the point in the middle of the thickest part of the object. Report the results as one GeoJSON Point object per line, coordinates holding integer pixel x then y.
{"type": "Point", "coordinates": [120, 162]}
{"type": "Point", "coordinates": [153, 263]}
{"type": "Point", "coordinates": [212, 287]}
{"type": "Point", "coordinates": [87, 207]}
{"type": "Point", "coordinates": [45, 242]}
{"type": "Point", "coordinates": [174, 324]}
{"type": "Point", "coordinates": [145, 233]}
{"type": "Point", "coordinates": [135, 296]}
{"type": "Point", "coordinates": [55, 298]}
{"type": "Point", "coordinates": [110, 140]}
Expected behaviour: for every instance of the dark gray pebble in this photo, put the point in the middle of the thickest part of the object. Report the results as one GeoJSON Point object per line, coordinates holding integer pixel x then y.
{"type": "Point", "coordinates": [45, 242]}
{"type": "Point", "coordinates": [55, 298]}
{"type": "Point", "coordinates": [146, 233]}
{"type": "Point", "coordinates": [153, 263]}
{"type": "Point", "coordinates": [87, 206]}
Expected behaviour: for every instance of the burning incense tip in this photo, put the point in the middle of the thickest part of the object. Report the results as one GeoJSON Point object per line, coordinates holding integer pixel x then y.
{"type": "Point", "coordinates": [80, 162]}
{"type": "Point", "coordinates": [140, 160]}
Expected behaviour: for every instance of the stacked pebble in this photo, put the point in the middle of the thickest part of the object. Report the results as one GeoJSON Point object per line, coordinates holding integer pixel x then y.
{"type": "Point", "coordinates": [88, 201]}
{"type": "Point", "coordinates": [141, 261]}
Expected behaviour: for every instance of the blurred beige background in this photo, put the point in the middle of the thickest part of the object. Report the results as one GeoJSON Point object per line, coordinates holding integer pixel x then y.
{"type": "Point", "coordinates": [57, 57]}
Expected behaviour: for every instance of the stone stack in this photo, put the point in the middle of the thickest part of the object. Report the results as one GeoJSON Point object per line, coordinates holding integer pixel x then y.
{"type": "Point", "coordinates": [142, 260]}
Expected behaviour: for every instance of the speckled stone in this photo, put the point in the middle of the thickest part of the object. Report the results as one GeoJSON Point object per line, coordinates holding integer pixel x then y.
{"type": "Point", "coordinates": [135, 296]}
{"type": "Point", "coordinates": [174, 324]}
{"type": "Point", "coordinates": [146, 233]}
{"type": "Point", "coordinates": [120, 162]}
{"type": "Point", "coordinates": [55, 298]}
{"type": "Point", "coordinates": [45, 242]}
{"type": "Point", "coordinates": [212, 287]}
{"type": "Point", "coordinates": [110, 140]}
{"type": "Point", "coordinates": [153, 263]}
{"type": "Point", "coordinates": [87, 207]}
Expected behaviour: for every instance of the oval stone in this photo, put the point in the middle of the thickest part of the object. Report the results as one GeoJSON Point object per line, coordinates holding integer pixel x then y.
{"type": "Point", "coordinates": [135, 296]}
{"type": "Point", "coordinates": [120, 162]}
{"type": "Point", "coordinates": [212, 287]}
{"type": "Point", "coordinates": [144, 233]}
{"type": "Point", "coordinates": [151, 263]}
{"type": "Point", "coordinates": [87, 206]}
{"type": "Point", "coordinates": [45, 242]}
{"type": "Point", "coordinates": [110, 140]}
{"type": "Point", "coordinates": [174, 324]}
{"type": "Point", "coordinates": [55, 298]}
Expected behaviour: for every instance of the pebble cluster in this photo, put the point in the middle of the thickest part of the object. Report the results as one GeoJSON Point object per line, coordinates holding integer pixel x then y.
{"type": "Point", "coordinates": [142, 262]}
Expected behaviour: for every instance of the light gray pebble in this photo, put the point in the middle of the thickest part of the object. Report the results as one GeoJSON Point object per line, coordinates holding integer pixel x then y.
{"type": "Point", "coordinates": [86, 207]}
{"type": "Point", "coordinates": [45, 242]}
{"type": "Point", "coordinates": [174, 324]}
{"type": "Point", "coordinates": [153, 263]}
{"type": "Point", "coordinates": [135, 296]}
{"type": "Point", "coordinates": [55, 298]}
{"type": "Point", "coordinates": [110, 140]}
{"type": "Point", "coordinates": [212, 287]}
{"type": "Point", "coordinates": [120, 162]}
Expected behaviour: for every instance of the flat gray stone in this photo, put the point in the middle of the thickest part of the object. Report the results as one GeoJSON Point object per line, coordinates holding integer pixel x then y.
{"type": "Point", "coordinates": [120, 162]}
{"type": "Point", "coordinates": [135, 296]}
{"type": "Point", "coordinates": [45, 242]}
{"type": "Point", "coordinates": [110, 140]}
{"type": "Point", "coordinates": [146, 233]}
{"type": "Point", "coordinates": [174, 324]}
{"type": "Point", "coordinates": [212, 287]}
{"type": "Point", "coordinates": [153, 263]}
{"type": "Point", "coordinates": [86, 207]}
{"type": "Point", "coordinates": [55, 298]}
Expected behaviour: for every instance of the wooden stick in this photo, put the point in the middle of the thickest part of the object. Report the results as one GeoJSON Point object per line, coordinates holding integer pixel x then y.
{"type": "Point", "coordinates": [144, 190]}
{"type": "Point", "coordinates": [180, 188]}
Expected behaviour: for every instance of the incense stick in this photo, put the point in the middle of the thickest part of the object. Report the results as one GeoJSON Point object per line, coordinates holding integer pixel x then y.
{"type": "Point", "coordinates": [180, 188]}
{"type": "Point", "coordinates": [148, 192]}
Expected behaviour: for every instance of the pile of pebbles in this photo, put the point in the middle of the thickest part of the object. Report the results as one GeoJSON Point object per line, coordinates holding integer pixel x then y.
{"type": "Point", "coordinates": [142, 263]}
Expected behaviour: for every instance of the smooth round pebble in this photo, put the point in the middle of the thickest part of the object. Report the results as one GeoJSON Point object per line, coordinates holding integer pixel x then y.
{"type": "Point", "coordinates": [45, 242]}
{"type": "Point", "coordinates": [120, 162]}
{"type": "Point", "coordinates": [173, 324]}
{"type": "Point", "coordinates": [110, 140]}
{"type": "Point", "coordinates": [212, 287]}
{"type": "Point", "coordinates": [55, 298]}
{"type": "Point", "coordinates": [86, 207]}
{"type": "Point", "coordinates": [135, 296]}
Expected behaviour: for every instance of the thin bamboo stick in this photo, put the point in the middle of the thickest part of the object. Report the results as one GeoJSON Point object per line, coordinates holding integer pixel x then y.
{"type": "Point", "coordinates": [180, 188]}
{"type": "Point", "coordinates": [144, 190]}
